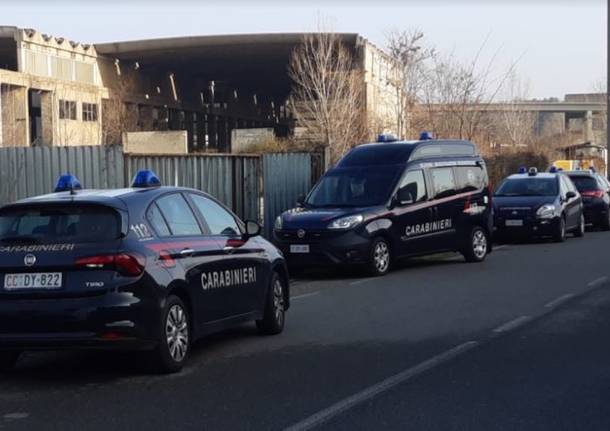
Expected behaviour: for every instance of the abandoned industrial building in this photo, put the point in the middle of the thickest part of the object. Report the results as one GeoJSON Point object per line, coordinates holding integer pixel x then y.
{"type": "Point", "coordinates": [166, 95]}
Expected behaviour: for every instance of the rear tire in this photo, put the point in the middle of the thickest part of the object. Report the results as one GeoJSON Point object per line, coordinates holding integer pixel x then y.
{"type": "Point", "coordinates": [580, 230]}
{"type": "Point", "coordinates": [274, 316]}
{"type": "Point", "coordinates": [174, 337]}
{"type": "Point", "coordinates": [560, 230]}
{"type": "Point", "coordinates": [380, 257]}
{"type": "Point", "coordinates": [477, 245]}
{"type": "Point", "coordinates": [8, 360]}
{"type": "Point", "coordinates": [605, 224]}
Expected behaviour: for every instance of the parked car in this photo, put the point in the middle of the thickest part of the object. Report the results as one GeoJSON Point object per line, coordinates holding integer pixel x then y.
{"type": "Point", "coordinates": [538, 204]}
{"type": "Point", "coordinates": [388, 200]}
{"type": "Point", "coordinates": [595, 192]}
{"type": "Point", "coordinates": [144, 268]}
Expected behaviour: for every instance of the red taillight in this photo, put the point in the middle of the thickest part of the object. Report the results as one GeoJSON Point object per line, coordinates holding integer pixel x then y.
{"type": "Point", "coordinates": [126, 264]}
{"type": "Point", "coordinates": [593, 193]}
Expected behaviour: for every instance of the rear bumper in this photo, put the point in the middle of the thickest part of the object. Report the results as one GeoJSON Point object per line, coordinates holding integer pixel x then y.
{"type": "Point", "coordinates": [595, 211]}
{"type": "Point", "coordinates": [114, 320]}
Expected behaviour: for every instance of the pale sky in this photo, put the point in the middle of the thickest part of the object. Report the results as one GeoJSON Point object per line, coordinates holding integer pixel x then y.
{"type": "Point", "coordinates": [561, 46]}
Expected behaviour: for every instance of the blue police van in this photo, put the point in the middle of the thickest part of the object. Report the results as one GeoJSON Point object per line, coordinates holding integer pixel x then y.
{"type": "Point", "coordinates": [392, 199]}
{"type": "Point", "coordinates": [144, 268]}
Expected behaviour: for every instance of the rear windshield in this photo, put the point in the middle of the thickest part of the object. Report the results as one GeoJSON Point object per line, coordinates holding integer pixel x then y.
{"type": "Point", "coordinates": [65, 224]}
{"type": "Point", "coordinates": [584, 183]}
{"type": "Point", "coordinates": [528, 187]}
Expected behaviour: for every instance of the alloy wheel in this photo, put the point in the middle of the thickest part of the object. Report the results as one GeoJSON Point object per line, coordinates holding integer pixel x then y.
{"type": "Point", "coordinates": [381, 256]}
{"type": "Point", "coordinates": [278, 301]}
{"type": "Point", "coordinates": [176, 331]}
{"type": "Point", "coordinates": [479, 244]}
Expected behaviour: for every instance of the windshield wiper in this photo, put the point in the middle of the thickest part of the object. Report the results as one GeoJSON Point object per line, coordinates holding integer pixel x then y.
{"type": "Point", "coordinates": [25, 239]}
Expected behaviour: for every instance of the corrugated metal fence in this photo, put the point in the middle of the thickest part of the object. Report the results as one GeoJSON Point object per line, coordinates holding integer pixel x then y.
{"type": "Point", "coordinates": [236, 180]}
{"type": "Point", "coordinates": [285, 177]}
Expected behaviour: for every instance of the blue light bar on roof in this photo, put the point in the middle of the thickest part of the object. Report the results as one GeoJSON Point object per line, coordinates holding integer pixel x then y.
{"type": "Point", "coordinates": [426, 136]}
{"type": "Point", "coordinates": [145, 178]}
{"type": "Point", "coordinates": [67, 182]}
{"type": "Point", "coordinates": [387, 138]}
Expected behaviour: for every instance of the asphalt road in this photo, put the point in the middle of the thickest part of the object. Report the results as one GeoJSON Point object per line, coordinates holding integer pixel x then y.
{"type": "Point", "coordinates": [517, 342]}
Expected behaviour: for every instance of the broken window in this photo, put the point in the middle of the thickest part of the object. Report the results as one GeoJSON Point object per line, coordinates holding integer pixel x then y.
{"type": "Point", "coordinates": [67, 110]}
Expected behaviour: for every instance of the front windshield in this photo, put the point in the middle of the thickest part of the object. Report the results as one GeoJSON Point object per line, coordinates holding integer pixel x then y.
{"type": "Point", "coordinates": [528, 187]}
{"type": "Point", "coordinates": [357, 186]}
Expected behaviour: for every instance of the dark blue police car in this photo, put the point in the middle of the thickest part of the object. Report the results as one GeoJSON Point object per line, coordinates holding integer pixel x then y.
{"type": "Point", "coordinates": [538, 204]}
{"type": "Point", "coordinates": [146, 268]}
{"type": "Point", "coordinates": [391, 199]}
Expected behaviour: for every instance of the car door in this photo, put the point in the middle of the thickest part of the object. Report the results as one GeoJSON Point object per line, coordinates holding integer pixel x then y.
{"type": "Point", "coordinates": [411, 213]}
{"type": "Point", "coordinates": [185, 242]}
{"type": "Point", "coordinates": [572, 205]}
{"type": "Point", "coordinates": [445, 210]}
{"type": "Point", "coordinates": [245, 265]}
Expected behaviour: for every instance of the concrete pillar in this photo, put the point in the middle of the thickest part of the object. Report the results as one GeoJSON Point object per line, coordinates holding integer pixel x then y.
{"type": "Point", "coordinates": [46, 112]}
{"type": "Point", "coordinates": [588, 127]}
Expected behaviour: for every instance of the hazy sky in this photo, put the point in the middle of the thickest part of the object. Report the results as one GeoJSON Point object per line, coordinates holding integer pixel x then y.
{"type": "Point", "coordinates": [561, 46]}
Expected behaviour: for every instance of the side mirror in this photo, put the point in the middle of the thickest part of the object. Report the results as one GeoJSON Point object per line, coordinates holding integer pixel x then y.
{"type": "Point", "coordinates": [252, 228]}
{"type": "Point", "coordinates": [404, 197]}
{"type": "Point", "coordinates": [570, 195]}
{"type": "Point", "coordinates": [300, 200]}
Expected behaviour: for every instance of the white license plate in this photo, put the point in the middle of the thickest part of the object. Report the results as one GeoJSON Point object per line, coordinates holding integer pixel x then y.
{"type": "Point", "coordinates": [514, 222]}
{"type": "Point", "coordinates": [35, 280]}
{"type": "Point", "coordinates": [299, 248]}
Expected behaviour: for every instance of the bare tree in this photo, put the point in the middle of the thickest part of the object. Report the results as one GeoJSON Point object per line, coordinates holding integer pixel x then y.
{"type": "Point", "coordinates": [410, 73]}
{"type": "Point", "coordinates": [327, 92]}
{"type": "Point", "coordinates": [119, 114]}
{"type": "Point", "coordinates": [516, 124]}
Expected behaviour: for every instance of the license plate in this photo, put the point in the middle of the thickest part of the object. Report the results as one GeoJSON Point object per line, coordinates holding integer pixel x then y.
{"type": "Point", "coordinates": [36, 280]}
{"type": "Point", "coordinates": [299, 248]}
{"type": "Point", "coordinates": [514, 222]}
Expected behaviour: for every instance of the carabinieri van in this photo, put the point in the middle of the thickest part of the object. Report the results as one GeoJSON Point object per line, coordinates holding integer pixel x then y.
{"type": "Point", "coordinates": [392, 199]}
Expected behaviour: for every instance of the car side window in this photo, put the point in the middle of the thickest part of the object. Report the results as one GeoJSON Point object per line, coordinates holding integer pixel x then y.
{"type": "Point", "coordinates": [414, 184]}
{"type": "Point", "coordinates": [565, 186]}
{"type": "Point", "coordinates": [443, 182]}
{"type": "Point", "coordinates": [156, 220]}
{"type": "Point", "coordinates": [219, 220]}
{"type": "Point", "coordinates": [178, 214]}
{"type": "Point", "coordinates": [470, 178]}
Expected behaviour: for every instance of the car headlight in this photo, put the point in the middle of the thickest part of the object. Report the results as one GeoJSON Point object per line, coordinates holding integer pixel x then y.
{"type": "Point", "coordinates": [346, 222]}
{"type": "Point", "coordinates": [546, 211]}
{"type": "Point", "coordinates": [279, 223]}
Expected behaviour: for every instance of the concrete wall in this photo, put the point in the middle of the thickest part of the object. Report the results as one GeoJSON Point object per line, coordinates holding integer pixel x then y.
{"type": "Point", "coordinates": [167, 142]}
{"type": "Point", "coordinates": [242, 139]}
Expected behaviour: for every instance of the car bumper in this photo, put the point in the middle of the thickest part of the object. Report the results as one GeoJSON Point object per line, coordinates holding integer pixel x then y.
{"type": "Point", "coordinates": [595, 211]}
{"type": "Point", "coordinates": [531, 227]}
{"type": "Point", "coordinates": [339, 248]}
{"type": "Point", "coordinates": [114, 320]}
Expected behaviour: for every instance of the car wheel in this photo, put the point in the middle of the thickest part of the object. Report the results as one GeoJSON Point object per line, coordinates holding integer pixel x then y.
{"type": "Point", "coordinates": [8, 360]}
{"type": "Point", "coordinates": [560, 231]}
{"type": "Point", "coordinates": [476, 247]}
{"type": "Point", "coordinates": [275, 308]}
{"type": "Point", "coordinates": [580, 230]}
{"type": "Point", "coordinates": [174, 336]}
{"type": "Point", "coordinates": [380, 258]}
{"type": "Point", "coordinates": [605, 224]}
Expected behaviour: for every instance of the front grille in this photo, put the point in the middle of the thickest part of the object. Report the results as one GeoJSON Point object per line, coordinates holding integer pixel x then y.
{"type": "Point", "coordinates": [309, 236]}
{"type": "Point", "coordinates": [516, 212]}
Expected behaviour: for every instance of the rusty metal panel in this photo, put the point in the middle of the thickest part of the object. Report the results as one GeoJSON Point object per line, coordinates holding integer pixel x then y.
{"type": "Point", "coordinates": [285, 176]}
{"type": "Point", "coordinates": [34, 171]}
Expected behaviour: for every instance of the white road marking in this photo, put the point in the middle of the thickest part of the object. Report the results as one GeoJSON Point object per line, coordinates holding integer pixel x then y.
{"type": "Point", "coordinates": [305, 295]}
{"type": "Point", "coordinates": [515, 323]}
{"type": "Point", "coordinates": [372, 391]}
{"type": "Point", "coordinates": [597, 281]}
{"type": "Point", "coordinates": [362, 280]}
{"type": "Point", "coordinates": [500, 247]}
{"type": "Point", "coordinates": [555, 302]}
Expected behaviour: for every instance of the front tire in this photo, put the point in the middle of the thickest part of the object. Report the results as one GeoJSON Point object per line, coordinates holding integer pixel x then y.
{"type": "Point", "coordinates": [274, 316]}
{"type": "Point", "coordinates": [8, 360]}
{"type": "Point", "coordinates": [477, 245]}
{"type": "Point", "coordinates": [380, 257]}
{"type": "Point", "coordinates": [174, 337]}
{"type": "Point", "coordinates": [560, 231]}
{"type": "Point", "coordinates": [580, 230]}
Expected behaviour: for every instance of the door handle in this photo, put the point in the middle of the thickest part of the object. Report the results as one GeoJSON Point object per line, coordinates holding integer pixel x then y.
{"type": "Point", "coordinates": [228, 249]}
{"type": "Point", "coordinates": [187, 252]}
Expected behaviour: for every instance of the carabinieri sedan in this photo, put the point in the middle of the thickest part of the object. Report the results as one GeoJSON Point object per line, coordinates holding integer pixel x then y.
{"type": "Point", "coordinates": [143, 268]}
